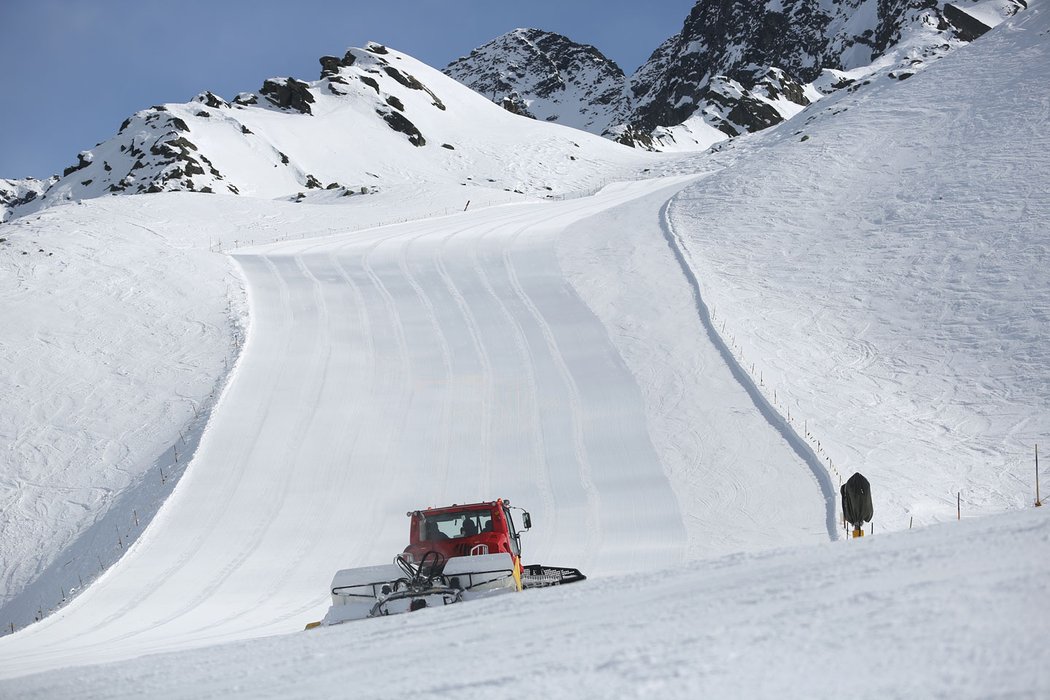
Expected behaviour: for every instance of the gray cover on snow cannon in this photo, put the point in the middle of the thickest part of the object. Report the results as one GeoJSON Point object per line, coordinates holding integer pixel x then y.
{"type": "Point", "coordinates": [856, 500]}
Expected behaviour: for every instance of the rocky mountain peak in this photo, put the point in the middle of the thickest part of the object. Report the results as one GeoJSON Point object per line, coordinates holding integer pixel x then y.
{"type": "Point", "coordinates": [546, 76]}
{"type": "Point", "coordinates": [734, 67]}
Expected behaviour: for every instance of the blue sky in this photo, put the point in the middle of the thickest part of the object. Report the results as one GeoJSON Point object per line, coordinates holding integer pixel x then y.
{"type": "Point", "coordinates": [75, 69]}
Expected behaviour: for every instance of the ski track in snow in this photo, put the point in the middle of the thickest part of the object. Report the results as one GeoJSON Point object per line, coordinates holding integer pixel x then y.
{"type": "Point", "coordinates": [443, 360]}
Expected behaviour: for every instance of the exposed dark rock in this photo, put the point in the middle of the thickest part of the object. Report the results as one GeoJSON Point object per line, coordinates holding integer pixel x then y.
{"type": "Point", "coordinates": [411, 82]}
{"type": "Point", "coordinates": [203, 113]}
{"type": "Point", "coordinates": [753, 114]}
{"type": "Point", "coordinates": [771, 50]}
{"type": "Point", "coordinates": [313, 183]}
{"type": "Point", "coordinates": [375, 48]}
{"type": "Point", "coordinates": [330, 66]}
{"type": "Point", "coordinates": [370, 82]}
{"type": "Point", "coordinates": [84, 159]}
{"type": "Point", "coordinates": [449, 146]}
{"type": "Point", "coordinates": [246, 98]}
{"type": "Point", "coordinates": [246, 130]}
{"type": "Point", "coordinates": [398, 122]}
{"type": "Point", "coordinates": [568, 82]}
{"type": "Point", "coordinates": [631, 136]}
{"type": "Point", "coordinates": [395, 103]}
{"type": "Point", "coordinates": [212, 100]}
{"type": "Point", "coordinates": [968, 26]}
{"type": "Point", "coordinates": [288, 93]}
{"type": "Point", "coordinates": [405, 79]}
{"type": "Point", "coordinates": [514, 104]}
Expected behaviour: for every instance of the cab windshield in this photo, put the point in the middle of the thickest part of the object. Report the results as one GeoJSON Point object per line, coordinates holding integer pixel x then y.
{"type": "Point", "coordinates": [450, 526]}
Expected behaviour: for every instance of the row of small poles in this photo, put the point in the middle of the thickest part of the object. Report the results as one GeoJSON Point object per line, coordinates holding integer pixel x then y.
{"type": "Point", "coordinates": [738, 352]}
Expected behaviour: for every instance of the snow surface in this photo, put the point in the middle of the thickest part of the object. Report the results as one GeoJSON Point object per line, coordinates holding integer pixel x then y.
{"type": "Point", "coordinates": [953, 611]}
{"type": "Point", "coordinates": [425, 363]}
{"type": "Point", "coordinates": [646, 371]}
{"type": "Point", "coordinates": [884, 269]}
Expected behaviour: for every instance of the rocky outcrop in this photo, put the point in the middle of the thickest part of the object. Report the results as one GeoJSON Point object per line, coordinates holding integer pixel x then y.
{"type": "Point", "coordinates": [546, 76]}
{"type": "Point", "coordinates": [736, 68]}
{"type": "Point", "coordinates": [14, 194]}
{"type": "Point", "coordinates": [288, 93]}
{"type": "Point", "coordinates": [799, 38]}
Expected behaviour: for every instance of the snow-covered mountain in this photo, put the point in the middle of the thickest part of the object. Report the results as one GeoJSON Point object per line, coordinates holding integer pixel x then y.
{"type": "Point", "coordinates": [17, 193]}
{"type": "Point", "coordinates": [729, 71]}
{"type": "Point", "coordinates": [546, 76]}
{"type": "Point", "coordinates": [743, 71]}
{"type": "Point", "coordinates": [375, 119]}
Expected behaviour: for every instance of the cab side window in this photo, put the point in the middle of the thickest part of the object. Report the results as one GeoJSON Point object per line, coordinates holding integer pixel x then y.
{"type": "Point", "coordinates": [514, 549]}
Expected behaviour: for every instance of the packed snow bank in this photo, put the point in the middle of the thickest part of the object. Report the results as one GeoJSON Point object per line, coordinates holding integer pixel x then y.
{"type": "Point", "coordinates": [947, 611]}
{"type": "Point", "coordinates": [880, 266]}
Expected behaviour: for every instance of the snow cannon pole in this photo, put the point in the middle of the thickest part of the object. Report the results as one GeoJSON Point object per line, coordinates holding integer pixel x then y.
{"type": "Point", "coordinates": [1038, 501]}
{"type": "Point", "coordinates": [856, 503]}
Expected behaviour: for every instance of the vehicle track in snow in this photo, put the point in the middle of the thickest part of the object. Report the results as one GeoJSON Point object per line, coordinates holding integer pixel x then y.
{"type": "Point", "coordinates": [441, 360]}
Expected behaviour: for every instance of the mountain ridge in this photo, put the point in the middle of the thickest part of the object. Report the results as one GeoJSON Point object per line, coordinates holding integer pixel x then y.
{"type": "Point", "coordinates": [374, 118]}
{"type": "Point", "coordinates": [729, 72]}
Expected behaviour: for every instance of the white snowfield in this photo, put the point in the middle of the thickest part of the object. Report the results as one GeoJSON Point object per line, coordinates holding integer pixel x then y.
{"type": "Point", "coordinates": [668, 374]}
{"type": "Point", "coordinates": [886, 272]}
{"type": "Point", "coordinates": [427, 363]}
{"type": "Point", "coordinates": [949, 611]}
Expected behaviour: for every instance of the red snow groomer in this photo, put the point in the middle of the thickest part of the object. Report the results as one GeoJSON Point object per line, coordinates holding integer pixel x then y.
{"type": "Point", "coordinates": [456, 553]}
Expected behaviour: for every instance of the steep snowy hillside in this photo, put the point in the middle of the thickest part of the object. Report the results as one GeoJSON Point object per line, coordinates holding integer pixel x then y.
{"type": "Point", "coordinates": [741, 72]}
{"type": "Point", "coordinates": [881, 269]}
{"type": "Point", "coordinates": [548, 77]}
{"type": "Point", "coordinates": [375, 120]}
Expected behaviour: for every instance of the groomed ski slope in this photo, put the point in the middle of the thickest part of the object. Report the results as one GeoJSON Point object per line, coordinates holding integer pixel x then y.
{"type": "Point", "coordinates": [447, 360]}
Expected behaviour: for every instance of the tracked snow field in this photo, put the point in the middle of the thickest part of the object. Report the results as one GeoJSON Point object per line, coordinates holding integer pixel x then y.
{"type": "Point", "coordinates": [442, 361]}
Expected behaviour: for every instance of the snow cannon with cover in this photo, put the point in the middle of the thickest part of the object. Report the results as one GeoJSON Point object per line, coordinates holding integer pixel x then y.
{"type": "Point", "coordinates": [455, 553]}
{"type": "Point", "coordinates": [856, 503]}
